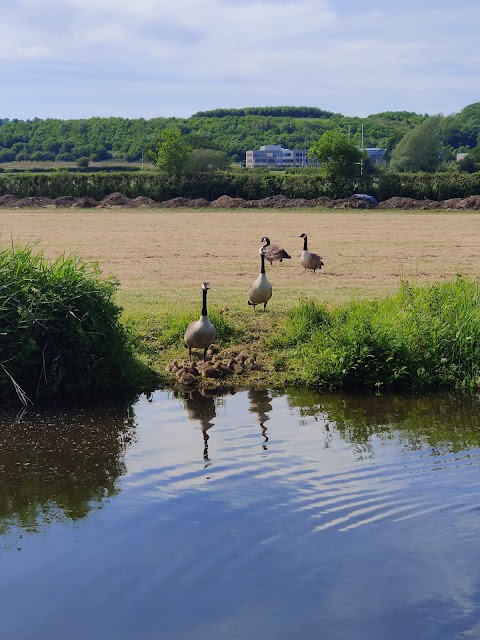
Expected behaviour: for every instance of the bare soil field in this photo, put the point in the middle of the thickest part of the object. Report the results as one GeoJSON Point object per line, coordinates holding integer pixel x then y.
{"type": "Point", "coordinates": [161, 256]}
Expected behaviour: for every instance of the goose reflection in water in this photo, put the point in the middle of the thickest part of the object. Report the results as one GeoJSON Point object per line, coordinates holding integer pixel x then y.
{"type": "Point", "coordinates": [261, 404]}
{"type": "Point", "coordinates": [200, 407]}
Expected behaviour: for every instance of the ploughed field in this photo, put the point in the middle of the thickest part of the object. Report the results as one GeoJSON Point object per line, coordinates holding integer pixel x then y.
{"type": "Point", "coordinates": [163, 255]}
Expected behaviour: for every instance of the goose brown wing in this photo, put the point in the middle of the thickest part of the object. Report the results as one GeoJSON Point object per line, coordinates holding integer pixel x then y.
{"type": "Point", "coordinates": [274, 252]}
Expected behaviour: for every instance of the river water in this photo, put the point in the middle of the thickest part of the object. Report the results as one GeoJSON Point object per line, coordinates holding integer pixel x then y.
{"type": "Point", "coordinates": [250, 515]}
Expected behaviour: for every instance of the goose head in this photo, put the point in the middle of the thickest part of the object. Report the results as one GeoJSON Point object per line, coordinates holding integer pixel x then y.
{"type": "Point", "coordinates": [205, 286]}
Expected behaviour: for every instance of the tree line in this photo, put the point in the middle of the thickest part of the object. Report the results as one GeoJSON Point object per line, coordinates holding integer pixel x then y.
{"type": "Point", "coordinates": [413, 142]}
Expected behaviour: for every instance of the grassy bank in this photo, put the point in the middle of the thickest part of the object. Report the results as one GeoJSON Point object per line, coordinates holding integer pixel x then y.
{"type": "Point", "coordinates": [422, 337]}
{"type": "Point", "coordinates": [60, 329]}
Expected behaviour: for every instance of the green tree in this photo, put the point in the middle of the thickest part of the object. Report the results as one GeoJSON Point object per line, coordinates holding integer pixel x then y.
{"type": "Point", "coordinates": [201, 160]}
{"type": "Point", "coordinates": [83, 162]}
{"type": "Point", "coordinates": [173, 152]}
{"type": "Point", "coordinates": [419, 149]}
{"type": "Point", "coordinates": [340, 161]}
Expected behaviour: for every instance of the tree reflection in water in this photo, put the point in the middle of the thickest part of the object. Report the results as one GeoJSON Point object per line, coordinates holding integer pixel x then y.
{"type": "Point", "coordinates": [59, 465]}
{"type": "Point", "coordinates": [261, 404]}
{"type": "Point", "coordinates": [446, 422]}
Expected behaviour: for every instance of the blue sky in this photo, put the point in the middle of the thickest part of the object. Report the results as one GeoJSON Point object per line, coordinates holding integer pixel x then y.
{"type": "Point", "coordinates": [151, 58]}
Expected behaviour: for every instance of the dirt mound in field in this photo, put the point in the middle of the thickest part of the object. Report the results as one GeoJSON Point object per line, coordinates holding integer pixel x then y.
{"type": "Point", "coordinates": [142, 201]}
{"type": "Point", "coordinates": [34, 202]}
{"type": "Point", "coordinates": [65, 201]}
{"type": "Point", "coordinates": [351, 203]}
{"type": "Point", "coordinates": [451, 203]}
{"type": "Point", "coordinates": [227, 202]}
{"type": "Point", "coordinates": [282, 202]}
{"type": "Point", "coordinates": [183, 203]}
{"type": "Point", "coordinates": [323, 201]}
{"type": "Point", "coordinates": [472, 202]}
{"type": "Point", "coordinates": [398, 202]}
{"type": "Point", "coordinates": [84, 203]}
{"type": "Point", "coordinates": [115, 200]}
{"type": "Point", "coordinates": [8, 200]}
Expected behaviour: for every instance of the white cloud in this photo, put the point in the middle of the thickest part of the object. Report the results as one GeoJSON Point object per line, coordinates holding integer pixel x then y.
{"type": "Point", "coordinates": [248, 52]}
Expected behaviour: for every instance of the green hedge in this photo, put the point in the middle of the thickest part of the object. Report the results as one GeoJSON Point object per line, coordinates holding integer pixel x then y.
{"type": "Point", "coordinates": [250, 185]}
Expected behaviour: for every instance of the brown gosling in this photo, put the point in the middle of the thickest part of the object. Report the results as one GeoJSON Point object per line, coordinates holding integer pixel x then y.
{"type": "Point", "coordinates": [212, 372]}
{"type": "Point", "coordinates": [251, 363]}
{"type": "Point", "coordinates": [213, 349]}
{"type": "Point", "coordinates": [193, 370]}
{"type": "Point", "coordinates": [171, 366]}
{"type": "Point", "coordinates": [226, 371]}
{"type": "Point", "coordinates": [241, 357]}
{"type": "Point", "coordinates": [187, 378]}
{"type": "Point", "coordinates": [236, 367]}
{"type": "Point", "coordinates": [181, 371]}
{"type": "Point", "coordinates": [177, 367]}
{"type": "Point", "coordinates": [205, 365]}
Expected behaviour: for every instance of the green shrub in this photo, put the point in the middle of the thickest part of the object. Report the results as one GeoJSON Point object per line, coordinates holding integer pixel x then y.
{"type": "Point", "coordinates": [60, 329]}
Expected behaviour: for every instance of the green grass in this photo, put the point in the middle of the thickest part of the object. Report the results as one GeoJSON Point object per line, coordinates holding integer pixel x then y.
{"type": "Point", "coordinates": [63, 333]}
{"type": "Point", "coordinates": [423, 337]}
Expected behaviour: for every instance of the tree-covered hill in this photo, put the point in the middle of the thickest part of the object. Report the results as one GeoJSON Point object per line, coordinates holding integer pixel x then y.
{"type": "Point", "coordinates": [230, 130]}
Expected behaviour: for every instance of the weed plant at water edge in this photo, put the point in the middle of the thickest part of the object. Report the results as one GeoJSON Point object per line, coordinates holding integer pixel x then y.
{"type": "Point", "coordinates": [422, 337]}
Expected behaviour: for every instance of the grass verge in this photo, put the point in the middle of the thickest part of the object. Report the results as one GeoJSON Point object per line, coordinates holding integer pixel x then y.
{"type": "Point", "coordinates": [422, 337]}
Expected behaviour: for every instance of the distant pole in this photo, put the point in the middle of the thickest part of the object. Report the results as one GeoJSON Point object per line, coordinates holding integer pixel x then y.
{"type": "Point", "coordinates": [361, 159]}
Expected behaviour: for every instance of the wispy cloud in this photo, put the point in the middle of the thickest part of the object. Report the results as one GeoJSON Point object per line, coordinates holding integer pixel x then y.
{"type": "Point", "coordinates": [178, 57]}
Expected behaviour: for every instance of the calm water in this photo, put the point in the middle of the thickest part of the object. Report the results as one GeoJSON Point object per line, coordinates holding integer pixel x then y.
{"type": "Point", "coordinates": [253, 515]}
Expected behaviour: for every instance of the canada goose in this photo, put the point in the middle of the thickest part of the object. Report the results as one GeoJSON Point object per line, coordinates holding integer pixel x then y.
{"type": "Point", "coordinates": [261, 290]}
{"type": "Point", "coordinates": [273, 251]}
{"type": "Point", "coordinates": [200, 334]}
{"type": "Point", "coordinates": [309, 260]}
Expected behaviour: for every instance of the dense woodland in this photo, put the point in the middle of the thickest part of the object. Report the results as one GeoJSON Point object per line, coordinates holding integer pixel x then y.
{"type": "Point", "coordinates": [232, 131]}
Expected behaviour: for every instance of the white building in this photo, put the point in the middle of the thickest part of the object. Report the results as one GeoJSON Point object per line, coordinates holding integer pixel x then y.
{"type": "Point", "coordinates": [273, 156]}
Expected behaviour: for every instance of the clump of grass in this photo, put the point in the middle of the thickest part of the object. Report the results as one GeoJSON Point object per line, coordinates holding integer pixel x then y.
{"type": "Point", "coordinates": [422, 337]}
{"type": "Point", "coordinates": [60, 329]}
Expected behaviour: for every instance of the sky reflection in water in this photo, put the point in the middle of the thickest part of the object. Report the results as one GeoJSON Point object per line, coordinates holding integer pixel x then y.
{"type": "Point", "coordinates": [250, 515]}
